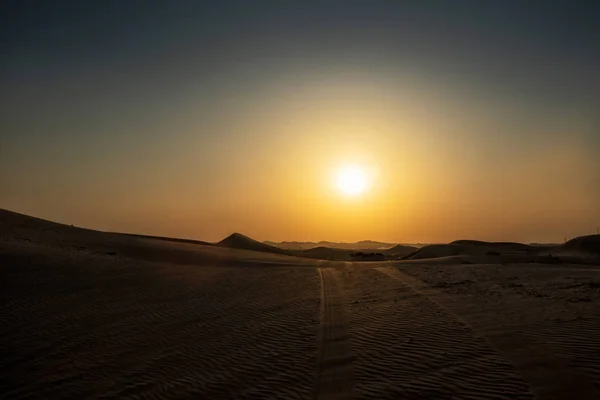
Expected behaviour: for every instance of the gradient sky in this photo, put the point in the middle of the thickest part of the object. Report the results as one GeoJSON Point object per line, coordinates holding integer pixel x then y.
{"type": "Point", "coordinates": [479, 119]}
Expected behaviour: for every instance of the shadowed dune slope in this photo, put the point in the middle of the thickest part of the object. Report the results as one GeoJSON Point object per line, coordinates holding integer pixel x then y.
{"type": "Point", "coordinates": [22, 234]}
{"type": "Point", "coordinates": [446, 250]}
{"type": "Point", "coordinates": [327, 253]}
{"type": "Point", "coordinates": [239, 241]}
{"type": "Point", "coordinates": [500, 247]}
{"type": "Point", "coordinates": [362, 245]}
{"type": "Point", "coordinates": [401, 250]}
{"type": "Point", "coordinates": [585, 247]}
{"type": "Point", "coordinates": [12, 223]}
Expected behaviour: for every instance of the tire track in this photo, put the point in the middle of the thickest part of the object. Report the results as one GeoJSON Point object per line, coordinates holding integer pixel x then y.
{"type": "Point", "coordinates": [334, 364]}
{"type": "Point", "coordinates": [407, 348]}
{"type": "Point", "coordinates": [549, 375]}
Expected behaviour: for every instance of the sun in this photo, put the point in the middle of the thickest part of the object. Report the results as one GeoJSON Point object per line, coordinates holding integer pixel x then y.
{"type": "Point", "coordinates": [351, 179]}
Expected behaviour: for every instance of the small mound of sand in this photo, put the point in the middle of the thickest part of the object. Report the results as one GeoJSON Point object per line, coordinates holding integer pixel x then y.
{"type": "Point", "coordinates": [239, 241]}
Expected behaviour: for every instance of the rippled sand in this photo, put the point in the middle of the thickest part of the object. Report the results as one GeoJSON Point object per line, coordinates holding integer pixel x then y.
{"type": "Point", "coordinates": [90, 315]}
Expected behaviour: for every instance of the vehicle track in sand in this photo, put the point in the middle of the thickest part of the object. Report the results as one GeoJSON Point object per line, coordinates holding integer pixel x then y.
{"type": "Point", "coordinates": [549, 375]}
{"type": "Point", "coordinates": [407, 347]}
{"type": "Point", "coordinates": [334, 360]}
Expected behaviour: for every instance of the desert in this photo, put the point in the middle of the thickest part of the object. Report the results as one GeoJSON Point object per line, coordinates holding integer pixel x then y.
{"type": "Point", "coordinates": [332, 200]}
{"type": "Point", "coordinates": [88, 314]}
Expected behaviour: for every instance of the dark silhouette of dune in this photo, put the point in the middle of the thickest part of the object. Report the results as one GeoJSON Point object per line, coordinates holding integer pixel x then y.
{"type": "Point", "coordinates": [401, 250]}
{"type": "Point", "coordinates": [327, 253]}
{"type": "Point", "coordinates": [446, 250]}
{"type": "Point", "coordinates": [356, 246]}
{"type": "Point", "coordinates": [23, 233]}
{"type": "Point", "coordinates": [588, 244]}
{"type": "Point", "coordinates": [239, 241]}
{"type": "Point", "coordinates": [586, 248]}
{"type": "Point", "coordinates": [169, 239]}
{"type": "Point", "coordinates": [11, 221]}
{"type": "Point", "coordinates": [500, 247]}
{"type": "Point", "coordinates": [367, 256]}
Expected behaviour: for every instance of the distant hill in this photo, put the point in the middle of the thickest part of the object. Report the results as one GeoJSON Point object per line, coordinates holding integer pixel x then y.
{"type": "Point", "coordinates": [446, 250]}
{"type": "Point", "coordinates": [499, 247]}
{"type": "Point", "coordinates": [401, 250]}
{"type": "Point", "coordinates": [473, 248]}
{"type": "Point", "coordinates": [361, 245]}
{"type": "Point", "coordinates": [327, 253]}
{"type": "Point", "coordinates": [584, 249]}
{"type": "Point", "coordinates": [239, 241]}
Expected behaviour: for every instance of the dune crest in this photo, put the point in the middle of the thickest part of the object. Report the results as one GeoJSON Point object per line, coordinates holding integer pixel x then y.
{"type": "Point", "coordinates": [446, 250]}
{"type": "Point", "coordinates": [401, 250]}
{"type": "Point", "coordinates": [586, 248]}
{"type": "Point", "coordinates": [243, 242]}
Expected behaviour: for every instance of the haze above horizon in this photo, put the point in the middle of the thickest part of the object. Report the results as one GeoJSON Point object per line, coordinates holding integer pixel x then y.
{"type": "Point", "coordinates": [198, 119]}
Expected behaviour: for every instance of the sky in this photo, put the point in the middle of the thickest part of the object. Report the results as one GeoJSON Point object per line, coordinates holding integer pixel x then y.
{"type": "Point", "coordinates": [196, 119]}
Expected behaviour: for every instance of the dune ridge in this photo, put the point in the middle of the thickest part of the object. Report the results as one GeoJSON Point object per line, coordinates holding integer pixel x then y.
{"type": "Point", "coordinates": [401, 250]}
{"type": "Point", "coordinates": [239, 241]}
{"type": "Point", "coordinates": [583, 247]}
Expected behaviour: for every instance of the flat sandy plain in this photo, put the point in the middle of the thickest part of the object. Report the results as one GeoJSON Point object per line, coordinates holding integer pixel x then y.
{"type": "Point", "coordinates": [93, 315]}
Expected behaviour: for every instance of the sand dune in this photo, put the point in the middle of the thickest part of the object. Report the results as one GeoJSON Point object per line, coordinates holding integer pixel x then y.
{"type": "Point", "coordinates": [586, 248]}
{"type": "Point", "coordinates": [445, 250]}
{"type": "Point", "coordinates": [356, 246]}
{"type": "Point", "coordinates": [22, 232]}
{"type": "Point", "coordinates": [239, 241]}
{"type": "Point", "coordinates": [94, 315]}
{"type": "Point", "coordinates": [401, 250]}
{"type": "Point", "coordinates": [327, 253]}
{"type": "Point", "coordinates": [500, 247]}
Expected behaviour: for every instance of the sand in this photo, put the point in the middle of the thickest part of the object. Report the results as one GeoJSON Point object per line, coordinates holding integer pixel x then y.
{"type": "Point", "coordinates": [93, 315]}
{"type": "Point", "coordinates": [239, 241]}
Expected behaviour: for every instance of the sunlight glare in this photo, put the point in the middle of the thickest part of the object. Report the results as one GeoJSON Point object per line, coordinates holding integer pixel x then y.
{"type": "Point", "coordinates": [351, 179]}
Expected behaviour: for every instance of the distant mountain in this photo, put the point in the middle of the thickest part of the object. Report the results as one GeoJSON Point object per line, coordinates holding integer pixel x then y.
{"type": "Point", "coordinates": [239, 241]}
